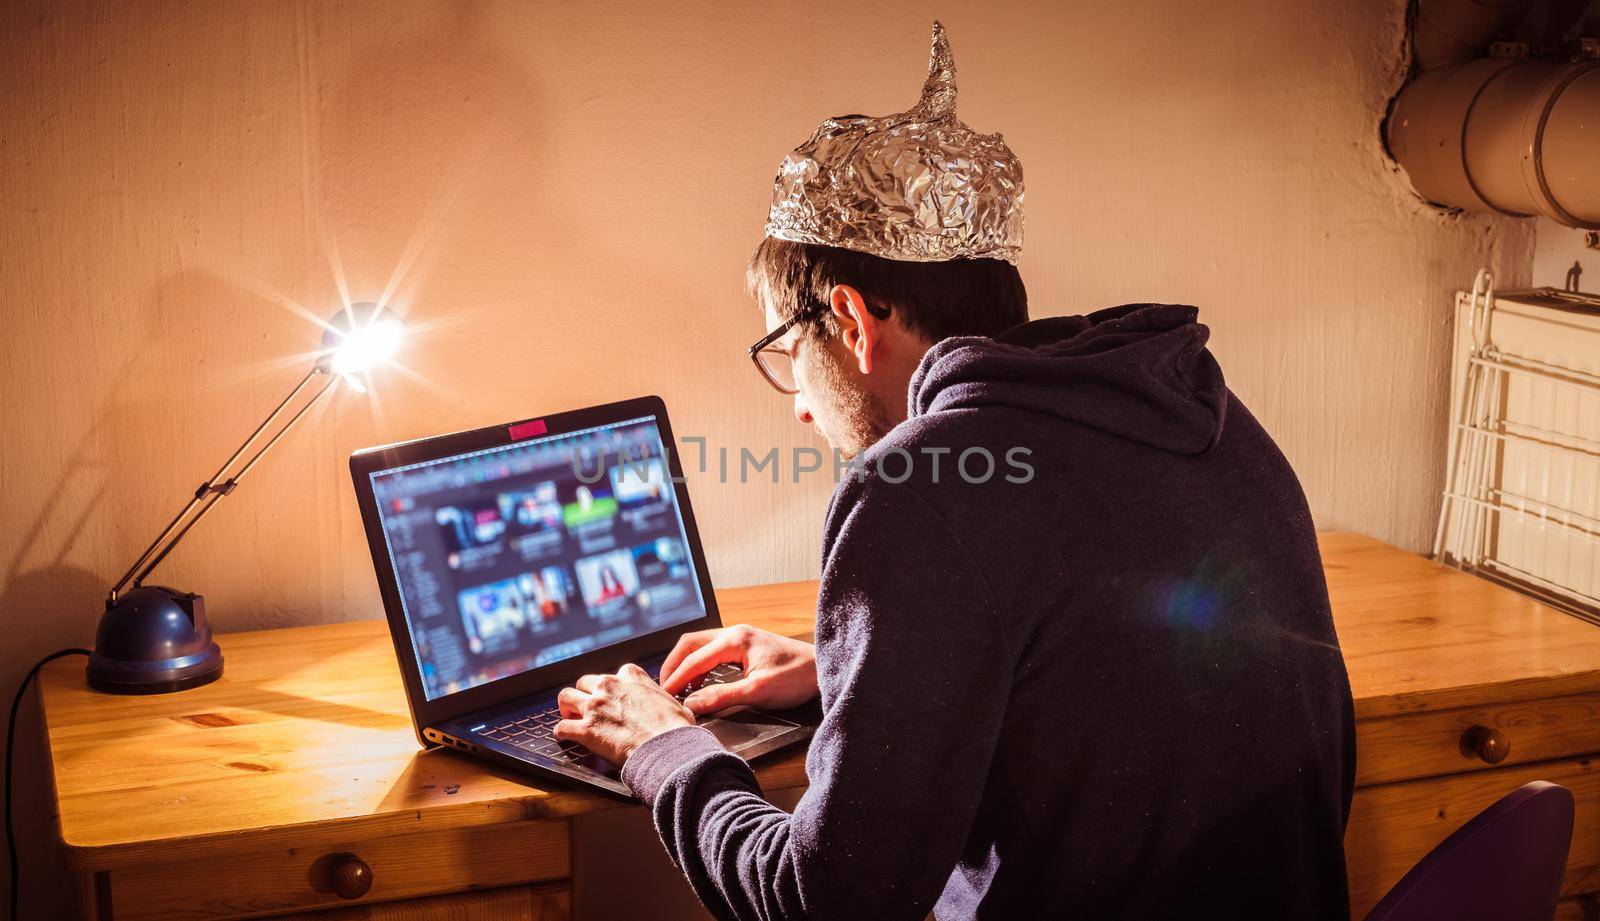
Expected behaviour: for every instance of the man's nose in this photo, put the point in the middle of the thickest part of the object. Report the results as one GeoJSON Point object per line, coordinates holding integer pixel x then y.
{"type": "Point", "coordinates": [801, 411]}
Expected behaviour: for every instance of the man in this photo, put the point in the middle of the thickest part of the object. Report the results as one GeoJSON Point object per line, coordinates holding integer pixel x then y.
{"type": "Point", "coordinates": [1074, 650]}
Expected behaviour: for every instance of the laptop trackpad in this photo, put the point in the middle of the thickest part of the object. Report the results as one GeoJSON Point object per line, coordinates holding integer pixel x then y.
{"type": "Point", "coordinates": [741, 729]}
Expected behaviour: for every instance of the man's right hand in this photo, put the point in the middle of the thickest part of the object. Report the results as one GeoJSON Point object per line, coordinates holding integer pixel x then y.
{"type": "Point", "coordinates": [779, 672]}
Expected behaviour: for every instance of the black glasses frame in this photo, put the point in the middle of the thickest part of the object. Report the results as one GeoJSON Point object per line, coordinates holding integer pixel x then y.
{"type": "Point", "coordinates": [803, 314]}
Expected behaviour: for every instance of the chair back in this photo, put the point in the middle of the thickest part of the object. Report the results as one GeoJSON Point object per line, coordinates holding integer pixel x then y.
{"type": "Point", "coordinates": [1506, 864]}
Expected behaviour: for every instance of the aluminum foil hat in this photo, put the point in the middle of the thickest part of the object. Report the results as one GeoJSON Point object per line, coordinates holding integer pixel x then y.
{"type": "Point", "coordinates": [919, 186]}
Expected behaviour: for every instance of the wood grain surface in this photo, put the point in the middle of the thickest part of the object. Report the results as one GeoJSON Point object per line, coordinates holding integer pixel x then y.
{"type": "Point", "coordinates": [299, 879]}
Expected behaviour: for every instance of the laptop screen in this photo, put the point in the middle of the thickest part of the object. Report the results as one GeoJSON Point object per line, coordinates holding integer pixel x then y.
{"type": "Point", "coordinates": [518, 556]}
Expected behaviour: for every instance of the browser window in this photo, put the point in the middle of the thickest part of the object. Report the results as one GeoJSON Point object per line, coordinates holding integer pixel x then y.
{"type": "Point", "coordinates": [523, 555]}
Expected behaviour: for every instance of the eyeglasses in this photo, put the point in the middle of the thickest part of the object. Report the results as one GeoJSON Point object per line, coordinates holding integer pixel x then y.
{"type": "Point", "coordinates": [777, 365]}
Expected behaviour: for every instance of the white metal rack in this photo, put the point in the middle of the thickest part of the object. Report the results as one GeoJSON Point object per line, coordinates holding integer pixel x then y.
{"type": "Point", "coordinates": [1522, 483]}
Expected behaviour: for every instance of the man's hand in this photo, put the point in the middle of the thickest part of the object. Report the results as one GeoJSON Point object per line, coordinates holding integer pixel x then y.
{"type": "Point", "coordinates": [779, 672]}
{"type": "Point", "coordinates": [611, 715]}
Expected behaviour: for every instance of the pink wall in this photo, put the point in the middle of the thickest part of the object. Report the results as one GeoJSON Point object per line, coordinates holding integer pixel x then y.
{"type": "Point", "coordinates": [567, 194]}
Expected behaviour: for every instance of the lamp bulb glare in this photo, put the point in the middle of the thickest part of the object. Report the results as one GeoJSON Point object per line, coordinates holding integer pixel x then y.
{"type": "Point", "coordinates": [362, 338]}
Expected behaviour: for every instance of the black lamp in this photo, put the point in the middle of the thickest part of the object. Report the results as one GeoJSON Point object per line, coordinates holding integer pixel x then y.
{"type": "Point", "coordinates": [152, 638]}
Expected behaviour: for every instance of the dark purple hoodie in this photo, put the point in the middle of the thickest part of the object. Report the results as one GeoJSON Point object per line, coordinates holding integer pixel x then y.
{"type": "Point", "coordinates": [1108, 688]}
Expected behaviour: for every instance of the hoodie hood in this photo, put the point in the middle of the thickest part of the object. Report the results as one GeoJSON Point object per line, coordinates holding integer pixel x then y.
{"type": "Point", "coordinates": [1139, 371]}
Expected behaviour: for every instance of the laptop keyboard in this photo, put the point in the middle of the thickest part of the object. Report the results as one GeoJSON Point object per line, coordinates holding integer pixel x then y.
{"type": "Point", "coordinates": [532, 732]}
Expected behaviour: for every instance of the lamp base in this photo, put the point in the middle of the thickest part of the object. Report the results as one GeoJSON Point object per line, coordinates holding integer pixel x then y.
{"type": "Point", "coordinates": [153, 640]}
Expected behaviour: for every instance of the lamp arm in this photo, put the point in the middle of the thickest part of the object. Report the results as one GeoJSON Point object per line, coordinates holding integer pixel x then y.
{"type": "Point", "coordinates": [207, 494]}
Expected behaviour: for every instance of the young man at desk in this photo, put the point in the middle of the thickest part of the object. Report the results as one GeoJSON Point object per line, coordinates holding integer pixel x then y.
{"type": "Point", "coordinates": [1073, 644]}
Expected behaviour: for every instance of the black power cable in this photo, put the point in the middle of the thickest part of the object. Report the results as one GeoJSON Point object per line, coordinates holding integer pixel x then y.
{"type": "Point", "coordinates": [11, 758]}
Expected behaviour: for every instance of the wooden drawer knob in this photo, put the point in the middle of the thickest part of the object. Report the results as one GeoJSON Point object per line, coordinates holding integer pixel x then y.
{"type": "Point", "coordinates": [351, 877]}
{"type": "Point", "coordinates": [1488, 744]}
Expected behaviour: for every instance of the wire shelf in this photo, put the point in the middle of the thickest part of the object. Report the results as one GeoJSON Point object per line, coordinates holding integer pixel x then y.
{"type": "Point", "coordinates": [1521, 502]}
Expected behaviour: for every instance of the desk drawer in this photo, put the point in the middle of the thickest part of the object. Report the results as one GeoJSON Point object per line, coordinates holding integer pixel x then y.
{"type": "Point", "coordinates": [401, 867]}
{"type": "Point", "coordinates": [549, 902]}
{"type": "Point", "coordinates": [1430, 744]}
{"type": "Point", "coordinates": [1392, 826]}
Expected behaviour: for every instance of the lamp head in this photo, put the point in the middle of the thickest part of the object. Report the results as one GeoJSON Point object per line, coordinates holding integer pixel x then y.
{"type": "Point", "coordinates": [359, 338]}
{"type": "Point", "coordinates": [154, 639]}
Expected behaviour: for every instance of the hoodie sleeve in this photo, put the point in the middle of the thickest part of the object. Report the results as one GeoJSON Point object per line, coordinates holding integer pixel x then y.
{"type": "Point", "coordinates": [914, 670]}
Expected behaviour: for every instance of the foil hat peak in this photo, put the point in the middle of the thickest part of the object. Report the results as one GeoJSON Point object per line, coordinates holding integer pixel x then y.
{"type": "Point", "coordinates": [919, 185]}
{"type": "Point", "coordinates": [939, 90]}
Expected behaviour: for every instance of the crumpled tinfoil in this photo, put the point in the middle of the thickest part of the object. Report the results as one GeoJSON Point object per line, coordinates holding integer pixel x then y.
{"type": "Point", "coordinates": [919, 185]}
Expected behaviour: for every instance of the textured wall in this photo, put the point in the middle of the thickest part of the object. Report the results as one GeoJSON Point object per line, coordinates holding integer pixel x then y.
{"type": "Point", "coordinates": [563, 197]}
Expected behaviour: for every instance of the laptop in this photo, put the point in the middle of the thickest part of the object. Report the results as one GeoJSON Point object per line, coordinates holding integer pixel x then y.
{"type": "Point", "coordinates": [514, 559]}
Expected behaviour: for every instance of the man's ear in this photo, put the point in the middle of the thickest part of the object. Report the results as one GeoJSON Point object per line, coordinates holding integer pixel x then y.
{"type": "Point", "coordinates": [859, 330]}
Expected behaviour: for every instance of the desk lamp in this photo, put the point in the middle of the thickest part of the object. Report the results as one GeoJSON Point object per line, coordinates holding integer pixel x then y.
{"type": "Point", "coordinates": [153, 639]}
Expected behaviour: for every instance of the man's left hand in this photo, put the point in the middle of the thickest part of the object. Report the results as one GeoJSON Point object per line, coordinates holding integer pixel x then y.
{"type": "Point", "coordinates": [611, 715]}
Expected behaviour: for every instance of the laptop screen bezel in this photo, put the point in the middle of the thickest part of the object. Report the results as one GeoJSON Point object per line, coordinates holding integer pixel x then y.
{"type": "Point", "coordinates": [432, 713]}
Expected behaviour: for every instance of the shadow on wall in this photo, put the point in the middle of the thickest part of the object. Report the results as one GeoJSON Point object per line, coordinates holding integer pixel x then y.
{"type": "Point", "coordinates": [1563, 259]}
{"type": "Point", "coordinates": [52, 603]}
{"type": "Point", "coordinates": [382, 154]}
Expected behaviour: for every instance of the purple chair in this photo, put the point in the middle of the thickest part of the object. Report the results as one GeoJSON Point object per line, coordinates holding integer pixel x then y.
{"type": "Point", "coordinates": [1504, 865]}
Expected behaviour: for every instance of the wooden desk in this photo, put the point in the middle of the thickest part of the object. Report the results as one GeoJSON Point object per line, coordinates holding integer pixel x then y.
{"type": "Point", "coordinates": [239, 799]}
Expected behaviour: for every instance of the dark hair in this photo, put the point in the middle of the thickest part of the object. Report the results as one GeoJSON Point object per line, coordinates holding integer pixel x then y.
{"type": "Point", "coordinates": [937, 300]}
